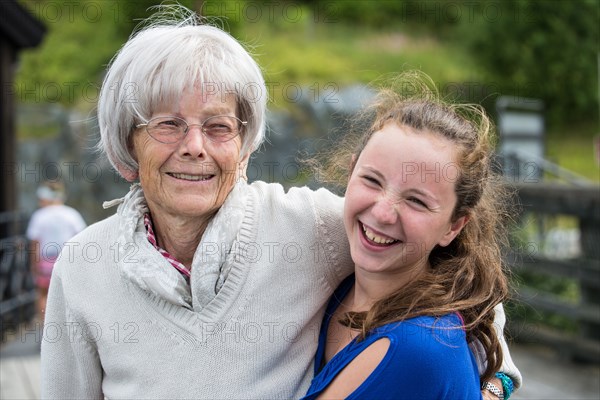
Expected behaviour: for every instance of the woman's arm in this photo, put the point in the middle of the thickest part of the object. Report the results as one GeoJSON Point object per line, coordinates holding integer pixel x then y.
{"type": "Point", "coordinates": [70, 364]}
{"type": "Point", "coordinates": [508, 366]}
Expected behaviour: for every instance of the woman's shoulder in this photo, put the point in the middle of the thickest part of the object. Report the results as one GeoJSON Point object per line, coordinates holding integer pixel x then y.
{"type": "Point", "coordinates": [105, 228]}
{"type": "Point", "coordinates": [90, 246]}
{"type": "Point", "coordinates": [419, 361]}
{"type": "Point", "coordinates": [87, 256]}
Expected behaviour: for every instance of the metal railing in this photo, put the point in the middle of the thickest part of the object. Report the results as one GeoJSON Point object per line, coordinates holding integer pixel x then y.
{"type": "Point", "coordinates": [17, 289]}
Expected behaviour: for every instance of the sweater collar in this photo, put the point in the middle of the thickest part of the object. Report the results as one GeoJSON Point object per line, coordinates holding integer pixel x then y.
{"type": "Point", "coordinates": [141, 264]}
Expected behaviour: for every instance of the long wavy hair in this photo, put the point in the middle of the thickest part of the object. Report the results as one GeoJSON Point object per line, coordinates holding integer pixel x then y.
{"type": "Point", "coordinates": [467, 276]}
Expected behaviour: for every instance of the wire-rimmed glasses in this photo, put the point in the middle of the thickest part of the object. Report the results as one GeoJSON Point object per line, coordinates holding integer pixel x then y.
{"type": "Point", "coordinates": [218, 128]}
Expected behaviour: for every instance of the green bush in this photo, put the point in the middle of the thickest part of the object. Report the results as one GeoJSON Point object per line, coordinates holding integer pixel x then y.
{"type": "Point", "coordinates": [542, 49]}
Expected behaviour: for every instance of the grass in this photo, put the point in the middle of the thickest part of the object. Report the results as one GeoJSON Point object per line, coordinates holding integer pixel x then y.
{"type": "Point", "coordinates": [575, 149]}
{"type": "Point", "coordinates": [313, 56]}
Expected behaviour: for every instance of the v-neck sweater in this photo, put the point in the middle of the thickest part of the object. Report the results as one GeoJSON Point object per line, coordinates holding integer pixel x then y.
{"type": "Point", "coordinates": [107, 335]}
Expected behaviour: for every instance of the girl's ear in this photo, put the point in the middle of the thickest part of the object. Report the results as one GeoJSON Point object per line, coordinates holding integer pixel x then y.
{"type": "Point", "coordinates": [455, 228]}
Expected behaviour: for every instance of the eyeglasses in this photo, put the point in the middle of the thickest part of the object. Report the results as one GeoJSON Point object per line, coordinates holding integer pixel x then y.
{"type": "Point", "coordinates": [218, 128]}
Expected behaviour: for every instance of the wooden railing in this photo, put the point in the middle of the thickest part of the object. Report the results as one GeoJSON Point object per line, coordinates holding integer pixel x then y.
{"type": "Point", "coordinates": [582, 203]}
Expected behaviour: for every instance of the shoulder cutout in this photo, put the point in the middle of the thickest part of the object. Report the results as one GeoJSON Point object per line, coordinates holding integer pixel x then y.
{"type": "Point", "coordinates": [357, 371]}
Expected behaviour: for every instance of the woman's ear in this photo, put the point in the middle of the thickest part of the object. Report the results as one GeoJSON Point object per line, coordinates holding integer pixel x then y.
{"type": "Point", "coordinates": [243, 166]}
{"type": "Point", "coordinates": [455, 228]}
{"type": "Point", "coordinates": [127, 174]}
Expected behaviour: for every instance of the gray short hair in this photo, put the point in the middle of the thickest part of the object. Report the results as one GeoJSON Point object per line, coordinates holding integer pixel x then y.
{"type": "Point", "coordinates": [175, 51]}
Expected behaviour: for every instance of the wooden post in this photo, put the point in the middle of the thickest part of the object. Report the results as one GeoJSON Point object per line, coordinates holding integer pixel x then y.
{"type": "Point", "coordinates": [7, 135]}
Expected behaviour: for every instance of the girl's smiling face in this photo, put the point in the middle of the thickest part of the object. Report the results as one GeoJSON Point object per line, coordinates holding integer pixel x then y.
{"type": "Point", "coordinates": [400, 199]}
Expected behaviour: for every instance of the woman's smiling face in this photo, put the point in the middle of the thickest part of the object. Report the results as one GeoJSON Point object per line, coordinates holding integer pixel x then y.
{"type": "Point", "coordinates": [400, 199]}
{"type": "Point", "coordinates": [193, 177]}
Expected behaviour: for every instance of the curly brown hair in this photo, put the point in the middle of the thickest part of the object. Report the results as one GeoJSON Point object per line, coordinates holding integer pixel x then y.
{"type": "Point", "coordinates": [468, 275]}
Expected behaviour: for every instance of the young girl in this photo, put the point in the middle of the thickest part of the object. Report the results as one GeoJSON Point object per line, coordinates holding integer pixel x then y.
{"type": "Point", "coordinates": [423, 215]}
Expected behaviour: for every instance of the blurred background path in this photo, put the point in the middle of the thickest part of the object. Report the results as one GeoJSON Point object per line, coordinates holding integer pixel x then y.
{"type": "Point", "coordinates": [546, 374]}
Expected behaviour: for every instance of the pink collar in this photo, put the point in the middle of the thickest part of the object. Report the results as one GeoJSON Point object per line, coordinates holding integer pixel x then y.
{"type": "Point", "coordinates": [152, 239]}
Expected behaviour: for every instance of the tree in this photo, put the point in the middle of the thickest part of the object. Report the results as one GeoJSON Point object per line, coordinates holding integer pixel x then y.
{"type": "Point", "coordinates": [546, 49]}
{"type": "Point", "coordinates": [82, 38]}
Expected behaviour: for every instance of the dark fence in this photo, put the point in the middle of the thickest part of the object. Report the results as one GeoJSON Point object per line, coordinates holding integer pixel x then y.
{"type": "Point", "coordinates": [17, 293]}
{"type": "Point", "coordinates": [17, 289]}
{"type": "Point", "coordinates": [545, 200]}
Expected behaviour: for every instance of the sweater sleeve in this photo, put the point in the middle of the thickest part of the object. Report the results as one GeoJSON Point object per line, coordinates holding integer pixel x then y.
{"type": "Point", "coordinates": [508, 366]}
{"type": "Point", "coordinates": [70, 363]}
{"type": "Point", "coordinates": [333, 240]}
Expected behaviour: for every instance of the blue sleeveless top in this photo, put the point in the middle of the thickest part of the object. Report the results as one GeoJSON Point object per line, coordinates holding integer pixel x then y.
{"type": "Point", "coordinates": [425, 360]}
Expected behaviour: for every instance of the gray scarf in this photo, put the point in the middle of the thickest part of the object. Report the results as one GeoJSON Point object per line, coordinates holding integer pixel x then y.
{"type": "Point", "coordinates": [141, 264]}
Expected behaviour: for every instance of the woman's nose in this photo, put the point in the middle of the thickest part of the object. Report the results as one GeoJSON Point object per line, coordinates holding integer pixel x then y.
{"type": "Point", "coordinates": [193, 143]}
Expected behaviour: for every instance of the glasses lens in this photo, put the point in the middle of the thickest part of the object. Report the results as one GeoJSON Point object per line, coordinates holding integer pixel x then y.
{"type": "Point", "coordinates": [221, 128]}
{"type": "Point", "coordinates": [167, 129]}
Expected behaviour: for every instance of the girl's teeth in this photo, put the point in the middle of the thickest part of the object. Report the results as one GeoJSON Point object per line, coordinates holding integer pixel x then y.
{"type": "Point", "coordinates": [375, 238]}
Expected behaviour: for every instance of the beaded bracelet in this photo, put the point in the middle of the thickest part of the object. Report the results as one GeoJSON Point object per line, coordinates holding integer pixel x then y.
{"type": "Point", "coordinates": [507, 384]}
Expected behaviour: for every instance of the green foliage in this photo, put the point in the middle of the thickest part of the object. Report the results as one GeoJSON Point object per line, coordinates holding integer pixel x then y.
{"type": "Point", "coordinates": [371, 14]}
{"type": "Point", "coordinates": [414, 15]}
{"type": "Point", "coordinates": [83, 36]}
{"type": "Point", "coordinates": [516, 311]}
{"type": "Point", "coordinates": [67, 67]}
{"type": "Point", "coordinates": [546, 49]}
{"type": "Point", "coordinates": [542, 49]}
{"type": "Point", "coordinates": [566, 290]}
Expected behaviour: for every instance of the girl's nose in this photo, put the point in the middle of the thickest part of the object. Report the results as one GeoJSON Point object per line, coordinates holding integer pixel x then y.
{"type": "Point", "coordinates": [385, 211]}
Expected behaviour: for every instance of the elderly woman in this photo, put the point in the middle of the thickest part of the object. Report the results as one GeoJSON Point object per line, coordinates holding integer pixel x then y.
{"type": "Point", "coordinates": [201, 285]}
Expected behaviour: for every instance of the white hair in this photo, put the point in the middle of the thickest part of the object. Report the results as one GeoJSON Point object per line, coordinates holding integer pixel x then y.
{"type": "Point", "coordinates": [174, 52]}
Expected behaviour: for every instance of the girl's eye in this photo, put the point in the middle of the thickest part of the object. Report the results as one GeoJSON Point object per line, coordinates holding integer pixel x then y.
{"type": "Point", "coordinates": [417, 201]}
{"type": "Point", "coordinates": [372, 180]}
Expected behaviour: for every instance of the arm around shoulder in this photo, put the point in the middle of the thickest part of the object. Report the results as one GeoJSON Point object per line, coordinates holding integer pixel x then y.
{"type": "Point", "coordinates": [508, 366]}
